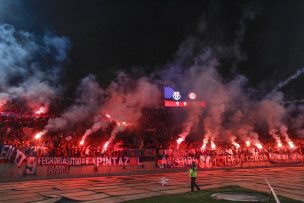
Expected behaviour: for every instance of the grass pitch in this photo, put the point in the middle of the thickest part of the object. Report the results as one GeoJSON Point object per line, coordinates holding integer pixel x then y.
{"type": "Point", "coordinates": [205, 196]}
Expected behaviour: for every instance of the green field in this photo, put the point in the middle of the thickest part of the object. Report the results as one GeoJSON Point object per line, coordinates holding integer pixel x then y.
{"type": "Point", "coordinates": [203, 196]}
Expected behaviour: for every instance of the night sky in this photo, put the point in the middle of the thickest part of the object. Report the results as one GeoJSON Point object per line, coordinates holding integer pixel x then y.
{"type": "Point", "coordinates": [111, 35]}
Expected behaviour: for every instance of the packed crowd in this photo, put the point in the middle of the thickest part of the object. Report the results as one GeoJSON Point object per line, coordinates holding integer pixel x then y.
{"type": "Point", "coordinates": [19, 132]}
{"type": "Point", "coordinates": [224, 148]}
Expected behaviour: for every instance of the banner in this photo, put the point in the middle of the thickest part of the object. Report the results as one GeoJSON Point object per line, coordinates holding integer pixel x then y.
{"type": "Point", "coordinates": [60, 161]}
{"type": "Point", "coordinates": [142, 152]}
{"type": "Point", "coordinates": [78, 161]}
{"type": "Point", "coordinates": [173, 160]}
{"type": "Point", "coordinates": [170, 162]}
{"type": "Point", "coordinates": [12, 154]}
{"type": "Point", "coordinates": [58, 169]}
{"type": "Point", "coordinates": [285, 158]}
{"type": "Point", "coordinates": [255, 158]}
{"type": "Point", "coordinates": [112, 161]}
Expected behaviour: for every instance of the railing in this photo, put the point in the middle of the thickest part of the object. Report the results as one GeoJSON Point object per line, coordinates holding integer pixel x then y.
{"type": "Point", "coordinates": [273, 192]}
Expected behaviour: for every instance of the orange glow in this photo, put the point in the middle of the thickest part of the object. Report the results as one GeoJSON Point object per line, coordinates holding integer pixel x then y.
{"type": "Point", "coordinates": [124, 123]}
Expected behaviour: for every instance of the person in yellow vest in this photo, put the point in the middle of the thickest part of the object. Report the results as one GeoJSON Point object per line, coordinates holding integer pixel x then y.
{"type": "Point", "coordinates": [193, 174]}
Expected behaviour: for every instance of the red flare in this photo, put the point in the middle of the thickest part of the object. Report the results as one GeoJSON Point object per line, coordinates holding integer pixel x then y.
{"type": "Point", "coordinates": [39, 135]}
{"type": "Point", "coordinates": [81, 142]}
{"type": "Point", "coordinates": [236, 145]}
{"type": "Point", "coordinates": [107, 115]}
{"type": "Point", "coordinates": [41, 110]}
{"type": "Point", "coordinates": [280, 144]}
{"type": "Point", "coordinates": [205, 141]}
{"type": "Point", "coordinates": [258, 145]}
{"type": "Point", "coordinates": [203, 147]}
{"type": "Point", "coordinates": [180, 140]}
{"type": "Point", "coordinates": [247, 143]}
{"type": "Point", "coordinates": [106, 145]}
{"type": "Point", "coordinates": [124, 123]}
{"type": "Point", "coordinates": [213, 146]}
{"type": "Point", "coordinates": [291, 145]}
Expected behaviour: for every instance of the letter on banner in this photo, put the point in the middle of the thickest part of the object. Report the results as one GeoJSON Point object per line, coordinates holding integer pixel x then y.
{"type": "Point", "coordinates": [114, 160]}
{"type": "Point", "coordinates": [20, 157]}
{"type": "Point", "coordinates": [9, 152]}
{"type": "Point", "coordinates": [4, 150]}
{"type": "Point", "coordinates": [127, 160]}
{"type": "Point", "coordinates": [99, 161]}
{"type": "Point", "coordinates": [120, 162]}
{"type": "Point", "coordinates": [108, 161]}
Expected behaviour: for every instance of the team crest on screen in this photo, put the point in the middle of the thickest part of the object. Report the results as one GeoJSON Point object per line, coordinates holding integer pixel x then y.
{"type": "Point", "coordinates": [176, 95]}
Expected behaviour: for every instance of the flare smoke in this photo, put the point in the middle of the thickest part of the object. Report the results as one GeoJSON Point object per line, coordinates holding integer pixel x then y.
{"type": "Point", "coordinates": [24, 66]}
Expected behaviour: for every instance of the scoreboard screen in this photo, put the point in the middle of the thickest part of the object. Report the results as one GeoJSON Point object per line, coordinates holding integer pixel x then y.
{"type": "Point", "coordinates": [175, 98]}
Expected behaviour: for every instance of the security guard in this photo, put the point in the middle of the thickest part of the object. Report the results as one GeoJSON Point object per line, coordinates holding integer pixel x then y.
{"type": "Point", "coordinates": [193, 174]}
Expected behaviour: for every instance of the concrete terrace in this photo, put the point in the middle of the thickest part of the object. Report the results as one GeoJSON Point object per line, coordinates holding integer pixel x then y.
{"type": "Point", "coordinates": [287, 181]}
